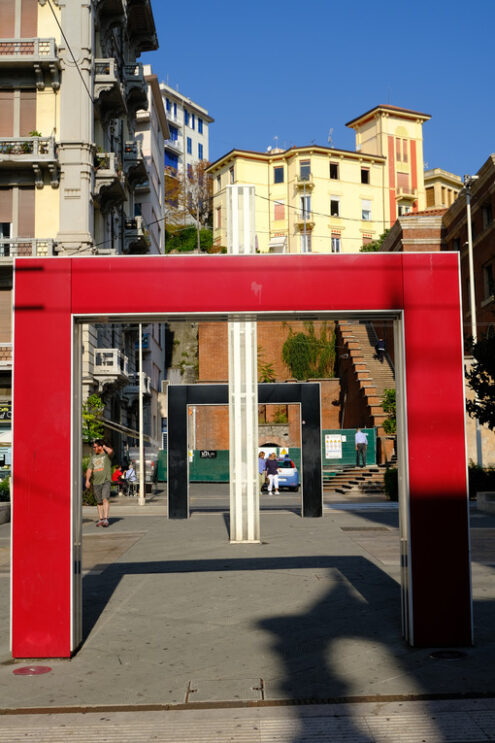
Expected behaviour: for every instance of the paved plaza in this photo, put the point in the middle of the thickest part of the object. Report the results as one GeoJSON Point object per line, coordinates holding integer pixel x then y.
{"type": "Point", "coordinates": [190, 638]}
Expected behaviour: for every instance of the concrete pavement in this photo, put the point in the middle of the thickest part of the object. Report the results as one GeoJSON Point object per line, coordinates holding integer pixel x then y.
{"type": "Point", "coordinates": [298, 638]}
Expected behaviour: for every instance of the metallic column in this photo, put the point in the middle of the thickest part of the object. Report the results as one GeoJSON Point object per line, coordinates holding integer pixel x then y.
{"type": "Point", "coordinates": [243, 383]}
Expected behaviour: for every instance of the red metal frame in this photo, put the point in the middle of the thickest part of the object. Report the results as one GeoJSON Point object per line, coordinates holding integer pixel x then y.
{"type": "Point", "coordinates": [49, 292]}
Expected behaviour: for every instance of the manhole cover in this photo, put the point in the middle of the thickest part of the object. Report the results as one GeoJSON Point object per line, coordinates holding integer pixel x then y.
{"type": "Point", "coordinates": [448, 655]}
{"type": "Point", "coordinates": [31, 670]}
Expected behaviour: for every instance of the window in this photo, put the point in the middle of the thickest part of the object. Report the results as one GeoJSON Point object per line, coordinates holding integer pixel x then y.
{"type": "Point", "coordinates": [403, 182]}
{"type": "Point", "coordinates": [403, 209]}
{"type": "Point", "coordinates": [306, 243]}
{"type": "Point", "coordinates": [334, 206]}
{"type": "Point", "coordinates": [171, 161]}
{"type": "Point", "coordinates": [193, 121]}
{"type": "Point", "coordinates": [488, 281]}
{"type": "Point", "coordinates": [189, 171]}
{"type": "Point", "coordinates": [430, 196]}
{"type": "Point", "coordinates": [200, 125]}
{"type": "Point", "coordinates": [365, 209]}
{"type": "Point", "coordinates": [336, 242]}
{"type": "Point", "coordinates": [186, 117]}
{"type": "Point", "coordinates": [278, 174]}
{"type": "Point", "coordinates": [456, 243]}
{"type": "Point", "coordinates": [189, 146]}
{"type": "Point", "coordinates": [305, 207]}
{"type": "Point", "coordinates": [138, 210]}
{"type": "Point", "coordinates": [398, 150]}
{"type": "Point", "coordinates": [486, 213]}
{"type": "Point", "coordinates": [367, 239]}
{"type": "Point", "coordinates": [200, 150]}
{"type": "Point", "coordinates": [231, 175]}
{"type": "Point", "coordinates": [175, 110]}
{"type": "Point", "coordinates": [405, 156]}
{"type": "Point", "coordinates": [168, 105]}
{"type": "Point", "coordinates": [365, 175]}
{"type": "Point", "coordinates": [174, 133]}
{"type": "Point", "coordinates": [334, 171]}
{"type": "Point", "coordinates": [305, 170]}
{"type": "Point", "coordinates": [219, 217]}
{"type": "Point", "coordinates": [279, 210]}
{"type": "Point", "coordinates": [5, 230]}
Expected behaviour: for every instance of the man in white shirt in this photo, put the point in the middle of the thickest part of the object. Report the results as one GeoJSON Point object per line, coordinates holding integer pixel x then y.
{"type": "Point", "coordinates": [361, 440]}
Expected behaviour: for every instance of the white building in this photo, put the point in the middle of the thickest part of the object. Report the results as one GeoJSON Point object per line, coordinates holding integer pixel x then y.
{"type": "Point", "coordinates": [188, 124]}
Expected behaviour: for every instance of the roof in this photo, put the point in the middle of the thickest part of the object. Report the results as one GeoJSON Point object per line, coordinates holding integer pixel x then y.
{"type": "Point", "coordinates": [406, 113]}
{"type": "Point", "coordinates": [292, 151]}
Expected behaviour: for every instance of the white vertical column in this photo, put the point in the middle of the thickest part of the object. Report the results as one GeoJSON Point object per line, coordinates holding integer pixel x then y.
{"type": "Point", "coordinates": [243, 383]}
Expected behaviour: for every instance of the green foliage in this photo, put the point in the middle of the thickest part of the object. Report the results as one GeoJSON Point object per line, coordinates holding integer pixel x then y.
{"type": "Point", "coordinates": [266, 372]}
{"type": "Point", "coordinates": [185, 240]}
{"type": "Point", "coordinates": [481, 379]}
{"type": "Point", "coordinates": [88, 498]}
{"type": "Point", "coordinates": [480, 479]}
{"type": "Point", "coordinates": [308, 356]}
{"type": "Point", "coordinates": [281, 416]}
{"type": "Point", "coordinates": [375, 245]}
{"type": "Point", "coordinates": [389, 406]}
{"type": "Point", "coordinates": [391, 481]}
{"type": "Point", "coordinates": [5, 490]}
{"type": "Point", "coordinates": [92, 413]}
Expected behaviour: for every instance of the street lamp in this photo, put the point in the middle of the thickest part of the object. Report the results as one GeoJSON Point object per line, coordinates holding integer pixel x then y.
{"type": "Point", "coordinates": [468, 182]}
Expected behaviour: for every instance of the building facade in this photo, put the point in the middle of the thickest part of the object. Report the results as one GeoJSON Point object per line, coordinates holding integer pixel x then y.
{"type": "Point", "coordinates": [441, 188]}
{"type": "Point", "coordinates": [321, 199]}
{"type": "Point", "coordinates": [71, 166]}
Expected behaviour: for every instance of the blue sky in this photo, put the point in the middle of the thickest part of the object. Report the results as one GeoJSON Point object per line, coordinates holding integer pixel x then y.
{"type": "Point", "coordinates": [292, 70]}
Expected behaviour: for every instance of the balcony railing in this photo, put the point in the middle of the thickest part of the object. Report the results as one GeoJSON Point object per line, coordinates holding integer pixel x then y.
{"type": "Point", "coordinates": [175, 144]}
{"type": "Point", "coordinates": [28, 50]}
{"type": "Point", "coordinates": [133, 387]}
{"type": "Point", "coordinates": [305, 180]}
{"type": "Point", "coordinates": [27, 149]}
{"type": "Point", "coordinates": [134, 165]}
{"type": "Point", "coordinates": [109, 179]}
{"type": "Point", "coordinates": [17, 247]}
{"type": "Point", "coordinates": [407, 192]}
{"type": "Point", "coordinates": [111, 362]}
{"type": "Point", "coordinates": [136, 87]}
{"type": "Point", "coordinates": [6, 355]}
{"type": "Point", "coordinates": [136, 237]}
{"type": "Point", "coordinates": [108, 89]}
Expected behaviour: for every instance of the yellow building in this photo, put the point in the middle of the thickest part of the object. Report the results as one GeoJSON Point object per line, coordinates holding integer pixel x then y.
{"type": "Point", "coordinates": [320, 199]}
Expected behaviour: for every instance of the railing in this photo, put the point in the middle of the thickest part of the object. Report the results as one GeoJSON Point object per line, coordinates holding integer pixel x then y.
{"type": "Point", "coordinates": [304, 216]}
{"type": "Point", "coordinates": [407, 191]}
{"type": "Point", "coordinates": [28, 49]}
{"type": "Point", "coordinates": [106, 164]}
{"type": "Point", "coordinates": [28, 149]}
{"type": "Point", "coordinates": [134, 73]}
{"type": "Point", "coordinates": [111, 361]}
{"type": "Point", "coordinates": [175, 144]}
{"type": "Point", "coordinates": [5, 355]}
{"type": "Point", "coordinates": [304, 179]}
{"type": "Point", "coordinates": [25, 246]}
{"type": "Point", "coordinates": [133, 151]}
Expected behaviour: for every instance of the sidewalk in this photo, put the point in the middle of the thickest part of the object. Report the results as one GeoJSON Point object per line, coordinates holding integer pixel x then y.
{"type": "Point", "coordinates": [179, 622]}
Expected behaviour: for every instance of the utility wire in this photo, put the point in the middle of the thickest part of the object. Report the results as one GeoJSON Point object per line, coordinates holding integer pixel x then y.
{"type": "Point", "coordinates": [70, 50]}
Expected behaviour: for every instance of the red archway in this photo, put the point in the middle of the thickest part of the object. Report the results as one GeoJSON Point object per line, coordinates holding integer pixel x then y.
{"type": "Point", "coordinates": [53, 294]}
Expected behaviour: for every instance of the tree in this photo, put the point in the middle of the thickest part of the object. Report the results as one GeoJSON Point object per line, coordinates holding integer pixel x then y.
{"type": "Point", "coordinates": [481, 379]}
{"type": "Point", "coordinates": [310, 357]}
{"type": "Point", "coordinates": [375, 245]}
{"type": "Point", "coordinates": [92, 413]}
{"type": "Point", "coordinates": [389, 406]}
{"type": "Point", "coordinates": [189, 194]}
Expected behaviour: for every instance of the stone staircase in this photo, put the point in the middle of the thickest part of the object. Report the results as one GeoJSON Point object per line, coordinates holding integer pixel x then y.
{"type": "Point", "coordinates": [358, 340]}
{"type": "Point", "coordinates": [354, 481]}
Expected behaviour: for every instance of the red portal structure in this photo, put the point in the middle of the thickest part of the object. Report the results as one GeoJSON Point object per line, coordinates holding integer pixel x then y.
{"type": "Point", "coordinates": [53, 295]}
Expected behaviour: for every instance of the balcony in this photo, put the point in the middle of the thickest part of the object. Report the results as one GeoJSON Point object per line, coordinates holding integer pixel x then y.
{"type": "Point", "coordinates": [111, 366]}
{"type": "Point", "coordinates": [175, 145]}
{"type": "Point", "coordinates": [108, 89]}
{"type": "Point", "coordinates": [141, 26]}
{"type": "Point", "coordinates": [136, 88]}
{"type": "Point", "coordinates": [20, 247]}
{"type": "Point", "coordinates": [37, 155]}
{"type": "Point", "coordinates": [134, 165]}
{"type": "Point", "coordinates": [6, 356]}
{"type": "Point", "coordinates": [136, 237]}
{"type": "Point", "coordinates": [109, 181]}
{"type": "Point", "coordinates": [305, 181]}
{"type": "Point", "coordinates": [132, 389]}
{"type": "Point", "coordinates": [32, 60]}
{"type": "Point", "coordinates": [406, 193]}
{"type": "Point", "coordinates": [304, 220]}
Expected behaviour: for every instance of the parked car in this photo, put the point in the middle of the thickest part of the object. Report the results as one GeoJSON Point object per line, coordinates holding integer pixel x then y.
{"type": "Point", "coordinates": [289, 476]}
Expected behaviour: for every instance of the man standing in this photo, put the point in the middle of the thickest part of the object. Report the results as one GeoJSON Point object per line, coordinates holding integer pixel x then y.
{"type": "Point", "coordinates": [361, 440]}
{"type": "Point", "coordinates": [101, 469]}
{"type": "Point", "coordinates": [261, 470]}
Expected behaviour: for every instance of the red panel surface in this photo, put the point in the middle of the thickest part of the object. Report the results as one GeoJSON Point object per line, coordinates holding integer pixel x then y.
{"type": "Point", "coordinates": [437, 455]}
{"type": "Point", "coordinates": [426, 286]}
{"type": "Point", "coordinates": [41, 556]}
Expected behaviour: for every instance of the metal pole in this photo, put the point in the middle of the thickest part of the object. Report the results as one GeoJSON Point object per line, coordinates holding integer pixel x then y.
{"type": "Point", "coordinates": [142, 473]}
{"type": "Point", "coordinates": [472, 299]}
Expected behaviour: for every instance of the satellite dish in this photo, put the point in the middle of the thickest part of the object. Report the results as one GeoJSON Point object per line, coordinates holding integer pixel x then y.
{"type": "Point", "coordinates": [269, 149]}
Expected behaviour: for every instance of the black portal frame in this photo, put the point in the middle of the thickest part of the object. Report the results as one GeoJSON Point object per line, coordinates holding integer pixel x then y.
{"type": "Point", "coordinates": [307, 394]}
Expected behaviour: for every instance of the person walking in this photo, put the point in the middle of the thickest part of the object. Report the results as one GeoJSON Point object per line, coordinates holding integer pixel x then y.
{"type": "Point", "coordinates": [100, 469]}
{"type": "Point", "coordinates": [261, 470]}
{"type": "Point", "coordinates": [361, 441]}
{"type": "Point", "coordinates": [380, 349]}
{"type": "Point", "coordinates": [272, 470]}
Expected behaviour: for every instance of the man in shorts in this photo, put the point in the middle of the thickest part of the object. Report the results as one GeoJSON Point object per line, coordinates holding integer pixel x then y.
{"type": "Point", "coordinates": [100, 468]}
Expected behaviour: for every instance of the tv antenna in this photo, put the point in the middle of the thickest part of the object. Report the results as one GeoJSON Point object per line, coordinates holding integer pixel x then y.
{"type": "Point", "coordinates": [330, 137]}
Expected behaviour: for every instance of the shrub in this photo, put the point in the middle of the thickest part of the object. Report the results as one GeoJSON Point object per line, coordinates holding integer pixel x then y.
{"type": "Point", "coordinates": [88, 498]}
{"type": "Point", "coordinates": [391, 481]}
{"type": "Point", "coordinates": [5, 490]}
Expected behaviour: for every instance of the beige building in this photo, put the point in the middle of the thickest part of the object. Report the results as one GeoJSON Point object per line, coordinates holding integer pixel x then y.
{"type": "Point", "coordinates": [73, 172]}
{"type": "Point", "coordinates": [441, 188]}
{"type": "Point", "coordinates": [321, 199]}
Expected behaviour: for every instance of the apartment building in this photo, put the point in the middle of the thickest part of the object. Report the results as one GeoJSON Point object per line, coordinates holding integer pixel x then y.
{"type": "Point", "coordinates": [441, 188]}
{"type": "Point", "coordinates": [322, 199]}
{"type": "Point", "coordinates": [73, 172]}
